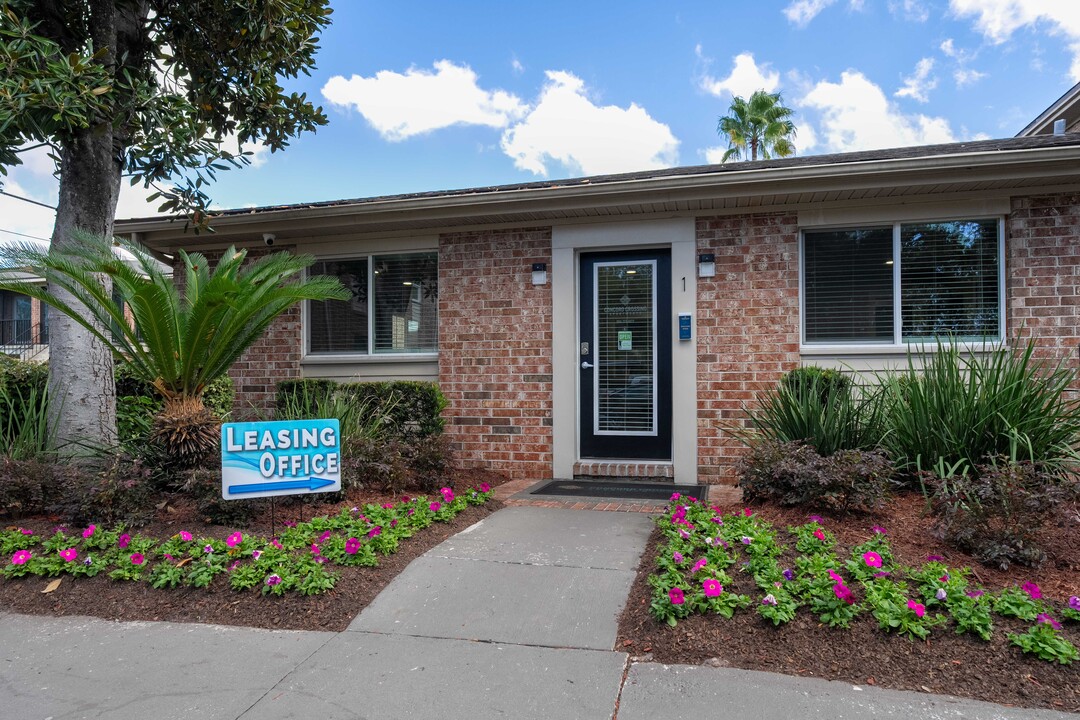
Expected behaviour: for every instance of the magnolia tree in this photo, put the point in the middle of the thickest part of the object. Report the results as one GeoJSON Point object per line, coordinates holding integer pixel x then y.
{"type": "Point", "coordinates": [160, 93]}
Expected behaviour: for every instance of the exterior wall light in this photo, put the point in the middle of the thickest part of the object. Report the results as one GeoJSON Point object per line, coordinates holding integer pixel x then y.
{"type": "Point", "coordinates": [539, 273]}
{"type": "Point", "coordinates": [706, 265]}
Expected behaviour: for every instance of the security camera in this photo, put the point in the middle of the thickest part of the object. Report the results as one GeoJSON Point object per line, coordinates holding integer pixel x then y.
{"type": "Point", "coordinates": [269, 238]}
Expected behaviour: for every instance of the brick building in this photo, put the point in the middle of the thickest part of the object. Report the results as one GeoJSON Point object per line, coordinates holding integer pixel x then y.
{"type": "Point", "coordinates": [613, 325]}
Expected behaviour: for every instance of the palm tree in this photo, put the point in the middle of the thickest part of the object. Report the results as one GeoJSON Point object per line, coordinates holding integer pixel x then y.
{"type": "Point", "coordinates": [761, 124]}
{"type": "Point", "coordinates": [177, 343]}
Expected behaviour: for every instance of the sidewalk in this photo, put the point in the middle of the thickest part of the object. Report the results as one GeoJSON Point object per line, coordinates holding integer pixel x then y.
{"type": "Point", "coordinates": [513, 618]}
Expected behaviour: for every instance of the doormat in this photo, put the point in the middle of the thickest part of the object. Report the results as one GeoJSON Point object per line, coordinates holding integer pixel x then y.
{"type": "Point", "coordinates": [619, 490]}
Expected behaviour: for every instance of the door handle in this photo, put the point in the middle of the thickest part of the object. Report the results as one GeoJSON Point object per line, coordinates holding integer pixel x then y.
{"type": "Point", "coordinates": [585, 365]}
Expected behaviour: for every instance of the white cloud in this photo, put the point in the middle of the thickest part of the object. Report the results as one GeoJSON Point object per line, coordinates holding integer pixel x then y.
{"type": "Point", "coordinates": [517, 67]}
{"type": "Point", "coordinates": [401, 105]}
{"type": "Point", "coordinates": [964, 76]}
{"type": "Point", "coordinates": [913, 10]}
{"type": "Point", "coordinates": [999, 19]}
{"type": "Point", "coordinates": [801, 12]}
{"type": "Point", "coordinates": [919, 85]}
{"type": "Point", "coordinates": [566, 127]}
{"type": "Point", "coordinates": [746, 77]}
{"type": "Point", "coordinates": [856, 115]}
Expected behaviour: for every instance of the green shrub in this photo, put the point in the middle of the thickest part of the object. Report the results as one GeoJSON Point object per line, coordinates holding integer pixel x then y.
{"type": "Point", "coordinates": [966, 409]}
{"type": "Point", "coordinates": [117, 489]}
{"type": "Point", "coordinates": [405, 408]}
{"type": "Point", "coordinates": [24, 430]}
{"type": "Point", "coordinates": [819, 408]}
{"type": "Point", "coordinates": [137, 402]}
{"type": "Point", "coordinates": [793, 473]}
{"type": "Point", "coordinates": [995, 510]}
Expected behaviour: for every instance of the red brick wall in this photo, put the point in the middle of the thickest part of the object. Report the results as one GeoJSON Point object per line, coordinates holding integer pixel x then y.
{"type": "Point", "coordinates": [495, 349]}
{"type": "Point", "coordinates": [748, 325]}
{"type": "Point", "coordinates": [272, 358]}
{"type": "Point", "coordinates": [1042, 243]}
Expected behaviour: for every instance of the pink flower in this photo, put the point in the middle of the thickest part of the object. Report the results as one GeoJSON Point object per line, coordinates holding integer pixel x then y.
{"type": "Point", "coordinates": [24, 531]}
{"type": "Point", "coordinates": [185, 536]}
{"type": "Point", "coordinates": [918, 608]}
{"type": "Point", "coordinates": [234, 539]}
{"type": "Point", "coordinates": [676, 596]}
{"type": "Point", "coordinates": [276, 545]}
{"type": "Point", "coordinates": [325, 536]}
{"type": "Point", "coordinates": [747, 512]}
{"type": "Point", "coordinates": [485, 488]}
{"type": "Point", "coordinates": [843, 592]}
{"type": "Point", "coordinates": [1044, 618]}
{"type": "Point", "coordinates": [675, 496]}
{"type": "Point", "coordinates": [375, 531]}
{"type": "Point", "coordinates": [677, 557]}
{"type": "Point", "coordinates": [168, 556]}
{"type": "Point", "coordinates": [712, 587]}
{"type": "Point", "coordinates": [388, 506]}
{"type": "Point", "coordinates": [815, 518]}
{"type": "Point", "coordinates": [747, 540]}
{"type": "Point", "coordinates": [934, 558]}
{"type": "Point", "coordinates": [435, 506]}
{"type": "Point", "coordinates": [235, 565]}
{"type": "Point", "coordinates": [1074, 602]}
{"type": "Point", "coordinates": [20, 557]}
{"type": "Point", "coordinates": [835, 577]}
{"type": "Point", "coordinates": [879, 530]}
{"type": "Point", "coordinates": [769, 599]}
{"type": "Point", "coordinates": [1032, 589]}
{"type": "Point", "coordinates": [89, 531]}
{"type": "Point", "coordinates": [208, 549]}
{"type": "Point", "coordinates": [256, 554]}
{"type": "Point", "coordinates": [683, 534]}
{"type": "Point", "coordinates": [314, 549]}
{"type": "Point", "coordinates": [819, 535]}
{"type": "Point", "coordinates": [699, 564]}
{"type": "Point", "coordinates": [448, 494]}
{"type": "Point", "coordinates": [70, 554]}
{"type": "Point", "coordinates": [123, 541]}
{"type": "Point", "coordinates": [872, 559]}
{"type": "Point", "coordinates": [273, 580]}
{"type": "Point", "coordinates": [352, 545]}
{"type": "Point", "coordinates": [137, 559]}
{"type": "Point", "coordinates": [393, 523]}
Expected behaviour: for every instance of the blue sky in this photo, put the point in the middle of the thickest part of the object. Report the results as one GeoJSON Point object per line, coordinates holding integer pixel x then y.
{"type": "Point", "coordinates": [436, 95]}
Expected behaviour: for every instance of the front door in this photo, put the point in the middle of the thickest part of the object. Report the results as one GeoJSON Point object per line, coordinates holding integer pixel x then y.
{"type": "Point", "coordinates": [625, 355]}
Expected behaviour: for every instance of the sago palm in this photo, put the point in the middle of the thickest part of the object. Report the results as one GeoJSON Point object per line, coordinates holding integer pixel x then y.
{"type": "Point", "coordinates": [761, 125]}
{"type": "Point", "coordinates": [178, 342]}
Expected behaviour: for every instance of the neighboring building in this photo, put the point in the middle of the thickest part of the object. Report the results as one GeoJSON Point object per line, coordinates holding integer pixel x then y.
{"type": "Point", "coordinates": [24, 326]}
{"type": "Point", "coordinates": [551, 313]}
{"type": "Point", "coordinates": [1065, 112]}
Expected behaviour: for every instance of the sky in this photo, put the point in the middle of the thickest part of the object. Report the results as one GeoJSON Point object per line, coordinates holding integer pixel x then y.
{"type": "Point", "coordinates": [426, 96]}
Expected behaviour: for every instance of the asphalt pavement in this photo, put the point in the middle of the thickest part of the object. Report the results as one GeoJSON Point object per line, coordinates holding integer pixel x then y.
{"type": "Point", "coordinates": [515, 617]}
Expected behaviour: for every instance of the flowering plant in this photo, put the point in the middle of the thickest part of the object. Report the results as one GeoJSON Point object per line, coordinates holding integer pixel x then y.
{"type": "Point", "coordinates": [1046, 642]}
{"type": "Point", "coordinates": [1018, 603]}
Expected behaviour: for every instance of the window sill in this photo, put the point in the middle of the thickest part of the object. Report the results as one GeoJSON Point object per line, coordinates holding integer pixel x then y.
{"type": "Point", "coordinates": [892, 349]}
{"type": "Point", "coordinates": [360, 359]}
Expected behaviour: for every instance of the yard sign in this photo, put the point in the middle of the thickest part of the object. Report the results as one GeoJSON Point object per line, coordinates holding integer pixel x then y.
{"type": "Point", "coordinates": [287, 457]}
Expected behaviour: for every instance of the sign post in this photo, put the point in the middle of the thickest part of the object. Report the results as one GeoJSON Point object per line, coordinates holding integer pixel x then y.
{"type": "Point", "coordinates": [284, 457]}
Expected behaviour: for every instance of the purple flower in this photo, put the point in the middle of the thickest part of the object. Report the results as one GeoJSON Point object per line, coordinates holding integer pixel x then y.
{"type": "Point", "coordinates": [698, 565]}
{"type": "Point", "coordinates": [816, 518]}
{"type": "Point", "coordinates": [1032, 589]}
{"type": "Point", "coordinates": [769, 600]}
{"type": "Point", "coordinates": [208, 549]}
{"type": "Point", "coordinates": [20, 557]}
{"type": "Point", "coordinates": [1044, 618]}
{"type": "Point", "coordinates": [872, 559]}
{"type": "Point", "coordinates": [789, 574]}
{"type": "Point", "coordinates": [746, 540]}
{"type": "Point", "coordinates": [677, 557]}
{"type": "Point", "coordinates": [355, 510]}
{"type": "Point", "coordinates": [676, 596]}
{"type": "Point", "coordinates": [484, 488]}
{"type": "Point", "coordinates": [941, 594]}
{"type": "Point", "coordinates": [934, 558]}
{"type": "Point", "coordinates": [684, 535]}
{"type": "Point", "coordinates": [843, 592]}
{"type": "Point", "coordinates": [882, 574]}
{"type": "Point", "coordinates": [974, 593]}
{"type": "Point", "coordinates": [234, 539]}
{"type": "Point", "coordinates": [879, 530]}
{"type": "Point", "coordinates": [375, 531]}
{"type": "Point", "coordinates": [712, 587]}
{"type": "Point", "coordinates": [70, 554]}
{"type": "Point", "coordinates": [256, 554]}
{"type": "Point", "coordinates": [717, 519]}
{"type": "Point", "coordinates": [352, 545]}
{"type": "Point", "coordinates": [435, 506]}
{"type": "Point", "coordinates": [324, 537]}
{"type": "Point", "coordinates": [88, 561]}
{"type": "Point", "coordinates": [314, 549]}
{"type": "Point", "coordinates": [137, 559]}
{"type": "Point", "coordinates": [123, 541]}
{"type": "Point", "coordinates": [273, 580]}
{"type": "Point", "coordinates": [918, 608]}
{"type": "Point", "coordinates": [1074, 602]}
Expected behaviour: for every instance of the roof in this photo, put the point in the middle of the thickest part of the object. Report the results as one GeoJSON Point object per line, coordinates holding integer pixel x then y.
{"type": "Point", "coordinates": [1066, 107]}
{"type": "Point", "coordinates": [976, 166]}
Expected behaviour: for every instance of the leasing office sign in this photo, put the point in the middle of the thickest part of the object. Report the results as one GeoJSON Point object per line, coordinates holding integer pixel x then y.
{"type": "Point", "coordinates": [267, 459]}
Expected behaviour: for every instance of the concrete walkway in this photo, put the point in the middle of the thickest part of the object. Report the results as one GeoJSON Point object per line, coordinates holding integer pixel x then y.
{"type": "Point", "coordinates": [513, 618]}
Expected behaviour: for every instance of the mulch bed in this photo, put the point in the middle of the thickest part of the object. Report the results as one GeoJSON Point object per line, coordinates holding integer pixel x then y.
{"type": "Point", "coordinates": [218, 604]}
{"type": "Point", "coordinates": [947, 663]}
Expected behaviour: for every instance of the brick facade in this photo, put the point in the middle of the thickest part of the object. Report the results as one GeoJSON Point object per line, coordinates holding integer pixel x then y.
{"type": "Point", "coordinates": [1043, 273]}
{"type": "Point", "coordinates": [748, 325]}
{"type": "Point", "coordinates": [495, 331]}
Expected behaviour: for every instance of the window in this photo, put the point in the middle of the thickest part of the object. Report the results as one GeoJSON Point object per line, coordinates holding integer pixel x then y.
{"type": "Point", "coordinates": [393, 308]}
{"type": "Point", "coordinates": [904, 283]}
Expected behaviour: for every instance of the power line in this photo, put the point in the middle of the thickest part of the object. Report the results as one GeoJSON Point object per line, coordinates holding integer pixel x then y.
{"type": "Point", "coordinates": [34, 202]}
{"type": "Point", "coordinates": [32, 237]}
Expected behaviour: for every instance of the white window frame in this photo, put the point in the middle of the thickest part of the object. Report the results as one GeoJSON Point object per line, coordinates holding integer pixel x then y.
{"type": "Point", "coordinates": [367, 357]}
{"type": "Point", "coordinates": [898, 345]}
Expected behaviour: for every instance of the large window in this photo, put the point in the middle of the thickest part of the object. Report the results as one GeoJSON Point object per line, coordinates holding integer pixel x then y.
{"type": "Point", "coordinates": [904, 283]}
{"type": "Point", "coordinates": [393, 308]}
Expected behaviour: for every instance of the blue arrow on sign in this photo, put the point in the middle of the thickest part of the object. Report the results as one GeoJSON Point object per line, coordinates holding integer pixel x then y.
{"type": "Point", "coordinates": [312, 483]}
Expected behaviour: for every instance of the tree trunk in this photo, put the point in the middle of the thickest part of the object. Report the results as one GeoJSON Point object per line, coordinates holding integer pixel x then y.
{"type": "Point", "coordinates": [81, 384]}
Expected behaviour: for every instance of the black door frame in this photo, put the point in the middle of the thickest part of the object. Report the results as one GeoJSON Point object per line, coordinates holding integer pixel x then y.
{"type": "Point", "coordinates": [629, 446]}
